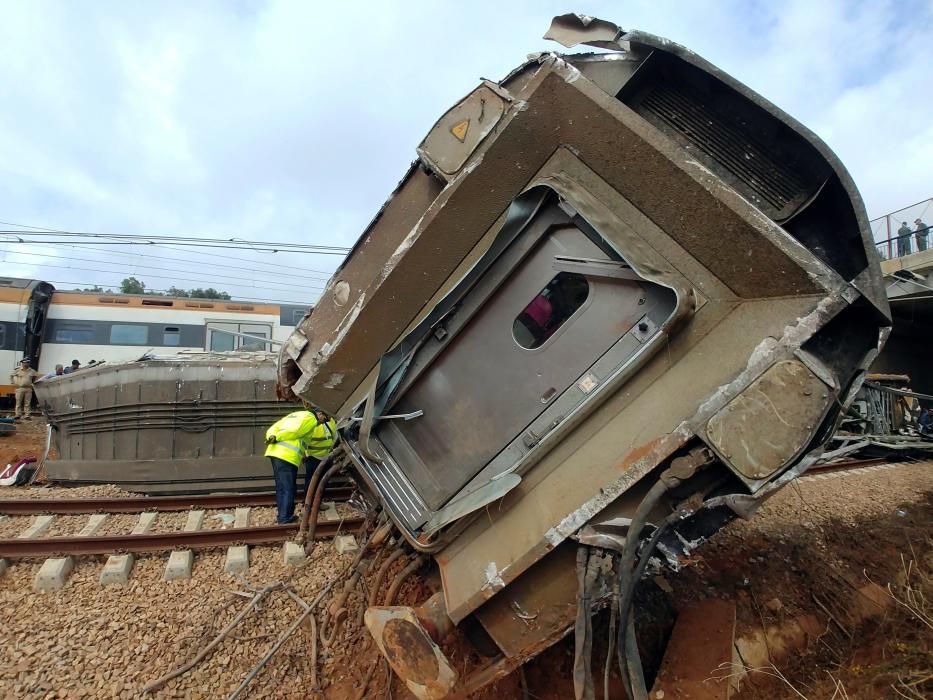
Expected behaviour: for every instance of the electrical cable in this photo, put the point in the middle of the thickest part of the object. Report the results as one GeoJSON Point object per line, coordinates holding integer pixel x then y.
{"type": "Point", "coordinates": [198, 244]}
{"type": "Point", "coordinates": [232, 280]}
{"type": "Point", "coordinates": [276, 267]}
{"type": "Point", "coordinates": [200, 281]}
{"type": "Point", "coordinates": [241, 242]}
{"type": "Point", "coordinates": [630, 664]}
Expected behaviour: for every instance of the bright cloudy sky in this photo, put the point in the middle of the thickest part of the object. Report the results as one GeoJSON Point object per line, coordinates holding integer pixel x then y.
{"type": "Point", "coordinates": [292, 121]}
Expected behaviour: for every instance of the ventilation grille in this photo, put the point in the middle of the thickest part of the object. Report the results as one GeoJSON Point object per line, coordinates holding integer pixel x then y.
{"type": "Point", "coordinates": [768, 183]}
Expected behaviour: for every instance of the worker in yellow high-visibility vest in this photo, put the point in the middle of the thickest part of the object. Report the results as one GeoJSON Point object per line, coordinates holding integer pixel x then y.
{"type": "Point", "coordinates": [302, 436]}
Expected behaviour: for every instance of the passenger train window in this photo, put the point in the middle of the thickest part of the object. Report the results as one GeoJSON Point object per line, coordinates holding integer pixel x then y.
{"type": "Point", "coordinates": [550, 309]}
{"type": "Point", "coordinates": [171, 335]}
{"type": "Point", "coordinates": [125, 334]}
{"type": "Point", "coordinates": [74, 333]}
{"type": "Point", "coordinates": [250, 344]}
{"type": "Point", "coordinates": [222, 342]}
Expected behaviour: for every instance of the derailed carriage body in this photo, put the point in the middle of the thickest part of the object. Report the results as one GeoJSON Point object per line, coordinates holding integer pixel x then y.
{"type": "Point", "coordinates": [599, 265]}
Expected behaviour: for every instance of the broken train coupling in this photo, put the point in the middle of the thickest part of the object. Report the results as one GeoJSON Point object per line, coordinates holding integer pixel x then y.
{"type": "Point", "coordinates": [618, 299]}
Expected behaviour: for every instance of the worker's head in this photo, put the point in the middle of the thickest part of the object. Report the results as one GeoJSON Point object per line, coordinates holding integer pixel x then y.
{"type": "Point", "coordinates": [75, 364]}
{"type": "Point", "coordinates": [24, 362]}
{"type": "Point", "coordinates": [59, 369]}
{"type": "Point", "coordinates": [318, 413]}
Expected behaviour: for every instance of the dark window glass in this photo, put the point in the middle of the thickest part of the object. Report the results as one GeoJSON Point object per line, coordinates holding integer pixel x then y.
{"type": "Point", "coordinates": [550, 309]}
{"type": "Point", "coordinates": [125, 334]}
{"type": "Point", "coordinates": [171, 336]}
{"type": "Point", "coordinates": [74, 334]}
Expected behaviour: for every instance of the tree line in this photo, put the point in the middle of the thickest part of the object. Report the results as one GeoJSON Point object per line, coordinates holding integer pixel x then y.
{"type": "Point", "coordinates": [131, 285]}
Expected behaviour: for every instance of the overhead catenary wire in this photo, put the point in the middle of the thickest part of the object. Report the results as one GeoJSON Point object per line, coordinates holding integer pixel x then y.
{"type": "Point", "coordinates": [276, 267]}
{"type": "Point", "coordinates": [176, 278]}
{"type": "Point", "coordinates": [232, 280]}
{"type": "Point", "coordinates": [44, 230]}
{"type": "Point", "coordinates": [207, 243]}
{"type": "Point", "coordinates": [180, 240]}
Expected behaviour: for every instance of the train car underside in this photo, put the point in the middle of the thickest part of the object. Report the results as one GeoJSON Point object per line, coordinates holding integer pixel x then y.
{"type": "Point", "coordinates": [619, 300]}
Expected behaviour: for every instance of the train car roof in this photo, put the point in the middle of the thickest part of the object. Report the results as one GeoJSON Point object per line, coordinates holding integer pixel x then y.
{"type": "Point", "coordinates": [154, 300]}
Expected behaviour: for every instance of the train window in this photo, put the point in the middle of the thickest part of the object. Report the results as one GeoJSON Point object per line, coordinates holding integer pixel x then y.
{"type": "Point", "coordinates": [250, 344]}
{"type": "Point", "coordinates": [297, 315]}
{"type": "Point", "coordinates": [125, 334]}
{"type": "Point", "coordinates": [222, 342]}
{"type": "Point", "coordinates": [550, 309]}
{"type": "Point", "coordinates": [157, 302]}
{"type": "Point", "coordinates": [2, 336]}
{"type": "Point", "coordinates": [171, 335]}
{"type": "Point", "coordinates": [74, 333]}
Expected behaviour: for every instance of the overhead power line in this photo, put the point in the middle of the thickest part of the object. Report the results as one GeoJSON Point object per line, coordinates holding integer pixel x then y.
{"type": "Point", "coordinates": [212, 276]}
{"type": "Point", "coordinates": [173, 278]}
{"type": "Point", "coordinates": [275, 268]}
{"type": "Point", "coordinates": [256, 246]}
{"type": "Point", "coordinates": [184, 240]}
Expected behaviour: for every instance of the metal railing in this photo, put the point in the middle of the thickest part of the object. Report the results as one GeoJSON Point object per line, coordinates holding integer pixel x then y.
{"type": "Point", "coordinates": [899, 246]}
{"type": "Point", "coordinates": [885, 230]}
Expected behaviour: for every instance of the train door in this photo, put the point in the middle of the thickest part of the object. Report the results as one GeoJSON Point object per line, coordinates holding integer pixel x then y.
{"type": "Point", "coordinates": [531, 340]}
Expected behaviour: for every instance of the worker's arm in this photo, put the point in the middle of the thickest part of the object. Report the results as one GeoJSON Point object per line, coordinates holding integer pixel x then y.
{"type": "Point", "coordinates": [307, 426]}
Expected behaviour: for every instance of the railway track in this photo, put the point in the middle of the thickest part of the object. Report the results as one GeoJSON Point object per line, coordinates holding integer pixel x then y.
{"type": "Point", "coordinates": [140, 504]}
{"type": "Point", "coordinates": [846, 465]}
{"type": "Point", "coordinates": [26, 548]}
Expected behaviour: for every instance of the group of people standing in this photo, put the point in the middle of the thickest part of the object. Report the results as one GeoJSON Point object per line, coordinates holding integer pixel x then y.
{"type": "Point", "coordinates": [921, 234]}
{"type": "Point", "coordinates": [24, 377]}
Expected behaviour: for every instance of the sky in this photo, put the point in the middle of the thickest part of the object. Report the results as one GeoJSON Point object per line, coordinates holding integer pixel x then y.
{"type": "Point", "coordinates": [286, 120]}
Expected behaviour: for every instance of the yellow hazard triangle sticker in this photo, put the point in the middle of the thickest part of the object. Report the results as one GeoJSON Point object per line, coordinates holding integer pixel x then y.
{"type": "Point", "coordinates": [460, 129]}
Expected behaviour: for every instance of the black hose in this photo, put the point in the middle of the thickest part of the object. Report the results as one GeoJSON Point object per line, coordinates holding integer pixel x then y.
{"type": "Point", "coordinates": [630, 663]}
{"type": "Point", "coordinates": [625, 605]}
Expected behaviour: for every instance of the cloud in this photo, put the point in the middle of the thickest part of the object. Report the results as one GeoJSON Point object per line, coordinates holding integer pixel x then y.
{"type": "Point", "coordinates": [288, 120]}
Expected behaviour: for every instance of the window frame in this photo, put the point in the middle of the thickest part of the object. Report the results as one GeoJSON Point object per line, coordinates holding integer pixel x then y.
{"type": "Point", "coordinates": [558, 329]}
{"type": "Point", "coordinates": [72, 327]}
{"type": "Point", "coordinates": [173, 330]}
{"type": "Point", "coordinates": [133, 327]}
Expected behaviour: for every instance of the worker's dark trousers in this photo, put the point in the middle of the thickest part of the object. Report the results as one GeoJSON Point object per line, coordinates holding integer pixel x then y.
{"type": "Point", "coordinates": [286, 478]}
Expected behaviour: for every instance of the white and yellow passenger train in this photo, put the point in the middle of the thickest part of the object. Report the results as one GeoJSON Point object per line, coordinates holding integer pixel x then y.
{"type": "Point", "coordinates": [53, 327]}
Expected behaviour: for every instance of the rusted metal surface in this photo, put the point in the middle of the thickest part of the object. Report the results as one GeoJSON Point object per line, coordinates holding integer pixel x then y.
{"type": "Point", "coordinates": [408, 645]}
{"type": "Point", "coordinates": [160, 542]}
{"type": "Point", "coordinates": [65, 506]}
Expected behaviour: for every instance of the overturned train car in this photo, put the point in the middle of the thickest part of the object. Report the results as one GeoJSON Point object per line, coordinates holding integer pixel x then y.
{"type": "Point", "coordinates": [618, 300]}
{"type": "Point", "coordinates": [193, 422]}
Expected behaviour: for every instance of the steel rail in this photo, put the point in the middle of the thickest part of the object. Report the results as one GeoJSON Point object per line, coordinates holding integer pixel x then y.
{"type": "Point", "coordinates": [77, 506]}
{"type": "Point", "coordinates": [847, 465]}
{"type": "Point", "coordinates": [165, 541]}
